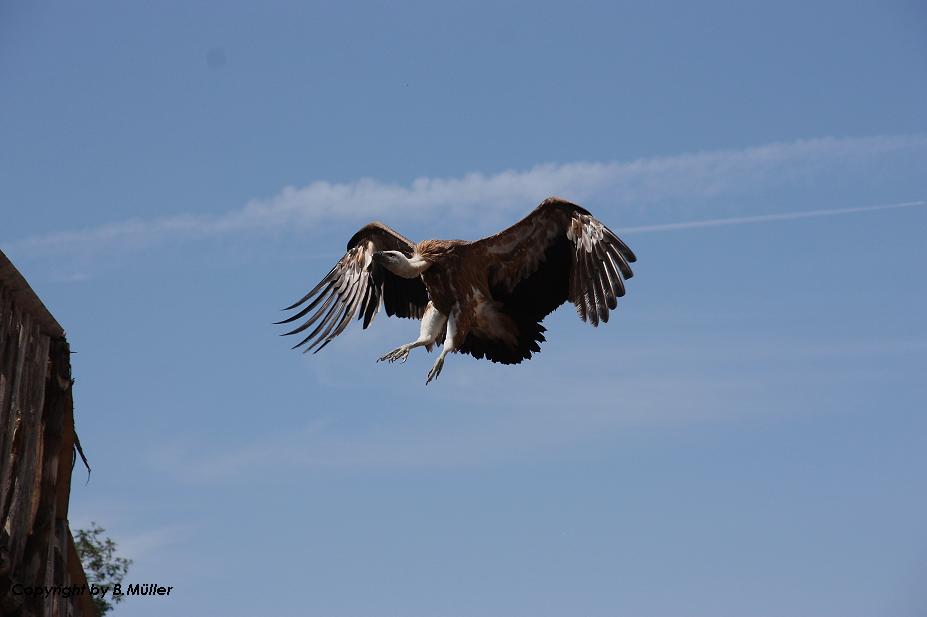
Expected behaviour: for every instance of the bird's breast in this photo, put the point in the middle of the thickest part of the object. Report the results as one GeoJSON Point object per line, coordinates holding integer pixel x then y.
{"type": "Point", "coordinates": [440, 288]}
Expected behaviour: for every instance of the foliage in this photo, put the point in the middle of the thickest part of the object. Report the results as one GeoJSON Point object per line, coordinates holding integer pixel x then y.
{"type": "Point", "coordinates": [101, 564]}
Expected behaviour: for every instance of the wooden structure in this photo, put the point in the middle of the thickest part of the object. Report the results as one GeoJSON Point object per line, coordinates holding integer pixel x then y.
{"type": "Point", "coordinates": [37, 445]}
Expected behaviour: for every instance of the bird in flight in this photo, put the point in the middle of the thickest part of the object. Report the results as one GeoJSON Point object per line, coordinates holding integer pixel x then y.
{"type": "Point", "coordinates": [486, 298]}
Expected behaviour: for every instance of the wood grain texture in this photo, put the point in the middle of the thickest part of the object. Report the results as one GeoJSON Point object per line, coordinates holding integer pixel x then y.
{"type": "Point", "coordinates": [36, 448]}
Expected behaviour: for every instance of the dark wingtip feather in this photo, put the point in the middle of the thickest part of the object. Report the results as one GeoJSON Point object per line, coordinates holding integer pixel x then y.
{"type": "Point", "coordinates": [334, 321]}
{"type": "Point", "coordinates": [295, 304]}
{"type": "Point", "coordinates": [623, 248]}
{"type": "Point", "coordinates": [590, 289]}
{"type": "Point", "coordinates": [320, 348]}
{"type": "Point", "coordinates": [289, 319]}
{"type": "Point", "coordinates": [631, 257]}
{"type": "Point", "coordinates": [318, 313]}
{"type": "Point", "coordinates": [326, 279]}
{"type": "Point", "coordinates": [318, 328]}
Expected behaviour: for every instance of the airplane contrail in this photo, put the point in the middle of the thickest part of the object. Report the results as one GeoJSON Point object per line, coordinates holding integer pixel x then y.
{"type": "Point", "coordinates": [764, 218]}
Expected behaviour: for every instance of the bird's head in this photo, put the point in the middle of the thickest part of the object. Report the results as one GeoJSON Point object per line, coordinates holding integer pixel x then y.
{"type": "Point", "coordinates": [399, 264]}
{"type": "Point", "coordinates": [389, 258]}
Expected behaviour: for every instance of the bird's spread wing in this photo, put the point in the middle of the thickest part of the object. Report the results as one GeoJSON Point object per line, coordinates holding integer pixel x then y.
{"type": "Point", "coordinates": [559, 252]}
{"type": "Point", "coordinates": [356, 285]}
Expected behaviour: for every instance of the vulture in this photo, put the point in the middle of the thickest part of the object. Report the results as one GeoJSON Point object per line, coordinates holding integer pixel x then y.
{"type": "Point", "coordinates": [486, 298]}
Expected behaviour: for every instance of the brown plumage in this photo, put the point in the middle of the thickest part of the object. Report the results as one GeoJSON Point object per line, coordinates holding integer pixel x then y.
{"type": "Point", "coordinates": [486, 298]}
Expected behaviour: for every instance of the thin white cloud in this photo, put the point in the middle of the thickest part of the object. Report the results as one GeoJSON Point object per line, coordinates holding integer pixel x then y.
{"type": "Point", "coordinates": [766, 218]}
{"type": "Point", "coordinates": [633, 184]}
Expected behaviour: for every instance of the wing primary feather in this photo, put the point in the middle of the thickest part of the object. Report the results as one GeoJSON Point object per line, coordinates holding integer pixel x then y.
{"type": "Point", "coordinates": [607, 297]}
{"type": "Point", "coordinates": [323, 328]}
{"type": "Point", "coordinates": [576, 287]}
{"type": "Point", "coordinates": [368, 289]}
{"type": "Point", "coordinates": [614, 280]}
{"type": "Point", "coordinates": [595, 284]}
{"type": "Point", "coordinates": [606, 276]}
{"type": "Point", "coordinates": [314, 317]}
{"type": "Point", "coordinates": [324, 336]}
{"type": "Point", "coordinates": [326, 279]}
{"type": "Point", "coordinates": [619, 282]}
{"type": "Point", "coordinates": [375, 281]}
{"type": "Point", "coordinates": [624, 248]}
{"type": "Point", "coordinates": [321, 347]}
{"type": "Point", "coordinates": [622, 264]}
{"type": "Point", "coordinates": [582, 276]}
{"type": "Point", "coordinates": [349, 311]}
{"type": "Point", "coordinates": [589, 289]}
{"type": "Point", "coordinates": [345, 320]}
{"type": "Point", "coordinates": [308, 308]}
{"type": "Point", "coordinates": [373, 305]}
{"type": "Point", "coordinates": [319, 327]}
{"type": "Point", "coordinates": [347, 303]}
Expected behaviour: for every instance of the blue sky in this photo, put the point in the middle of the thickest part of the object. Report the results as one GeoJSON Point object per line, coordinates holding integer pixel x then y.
{"type": "Point", "coordinates": [744, 438]}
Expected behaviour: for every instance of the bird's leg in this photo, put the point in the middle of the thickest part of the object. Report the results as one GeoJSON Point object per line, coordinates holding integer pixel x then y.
{"type": "Point", "coordinates": [432, 324]}
{"type": "Point", "coordinates": [450, 344]}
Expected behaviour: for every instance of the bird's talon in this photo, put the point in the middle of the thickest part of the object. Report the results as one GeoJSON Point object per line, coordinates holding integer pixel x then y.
{"type": "Point", "coordinates": [400, 353]}
{"type": "Point", "coordinates": [435, 371]}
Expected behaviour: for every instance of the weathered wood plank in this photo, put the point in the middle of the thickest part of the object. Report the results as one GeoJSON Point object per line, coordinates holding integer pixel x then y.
{"type": "Point", "coordinates": [8, 355]}
{"type": "Point", "coordinates": [16, 429]}
{"type": "Point", "coordinates": [25, 451]}
{"type": "Point", "coordinates": [36, 445]}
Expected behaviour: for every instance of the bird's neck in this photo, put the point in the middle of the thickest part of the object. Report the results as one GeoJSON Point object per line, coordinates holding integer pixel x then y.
{"type": "Point", "coordinates": [409, 268]}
